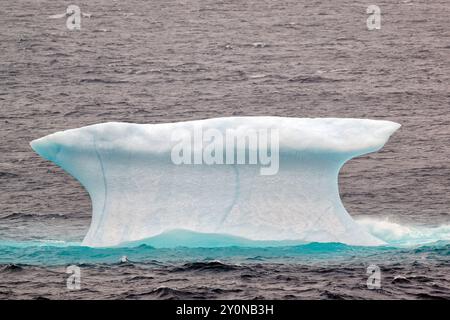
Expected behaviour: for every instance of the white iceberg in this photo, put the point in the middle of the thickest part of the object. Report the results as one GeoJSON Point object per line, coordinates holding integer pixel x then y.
{"type": "Point", "coordinates": [138, 192]}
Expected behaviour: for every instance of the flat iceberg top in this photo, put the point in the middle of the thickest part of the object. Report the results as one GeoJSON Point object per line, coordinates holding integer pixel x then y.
{"type": "Point", "coordinates": [353, 136]}
{"type": "Point", "coordinates": [139, 191]}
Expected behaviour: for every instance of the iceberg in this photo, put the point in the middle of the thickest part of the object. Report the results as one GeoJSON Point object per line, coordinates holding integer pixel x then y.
{"type": "Point", "coordinates": [138, 191]}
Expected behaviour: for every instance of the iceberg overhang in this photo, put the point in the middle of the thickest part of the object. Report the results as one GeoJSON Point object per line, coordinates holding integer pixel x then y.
{"type": "Point", "coordinates": [138, 191]}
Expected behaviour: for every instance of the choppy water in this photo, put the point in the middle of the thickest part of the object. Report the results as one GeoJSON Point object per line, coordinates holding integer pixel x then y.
{"type": "Point", "coordinates": [160, 61]}
{"type": "Point", "coordinates": [316, 271]}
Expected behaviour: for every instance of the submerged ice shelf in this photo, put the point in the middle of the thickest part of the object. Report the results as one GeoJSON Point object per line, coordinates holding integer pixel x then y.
{"type": "Point", "coordinates": [137, 190]}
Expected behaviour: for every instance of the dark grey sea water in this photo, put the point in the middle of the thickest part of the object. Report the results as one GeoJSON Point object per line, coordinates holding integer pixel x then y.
{"type": "Point", "coordinates": [160, 61]}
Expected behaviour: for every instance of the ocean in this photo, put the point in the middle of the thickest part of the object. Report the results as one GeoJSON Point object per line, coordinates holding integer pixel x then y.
{"type": "Point", "coordinates": [160, 61]}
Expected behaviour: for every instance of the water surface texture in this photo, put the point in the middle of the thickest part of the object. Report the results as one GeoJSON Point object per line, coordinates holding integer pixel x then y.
{"type": "Point", "coordinates": [162, 61]}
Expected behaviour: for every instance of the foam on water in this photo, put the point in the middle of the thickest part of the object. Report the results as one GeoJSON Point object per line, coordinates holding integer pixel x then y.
{"type": "Point", "coordinates": [396, 234]}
